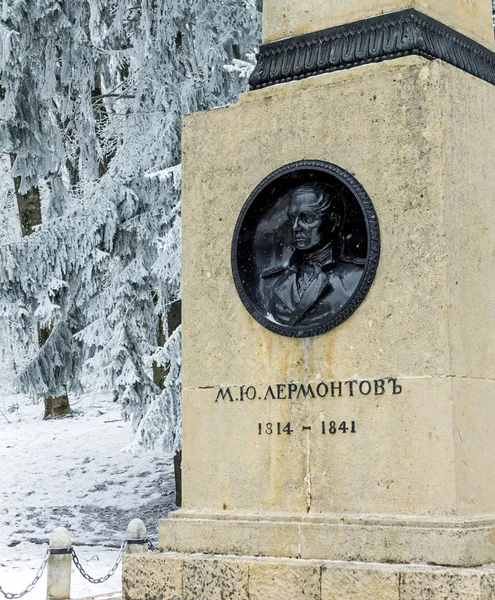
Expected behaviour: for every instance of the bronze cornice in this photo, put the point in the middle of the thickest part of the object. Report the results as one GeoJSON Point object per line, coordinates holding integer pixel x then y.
{"type": "Point", "coordinates": [393, 35]}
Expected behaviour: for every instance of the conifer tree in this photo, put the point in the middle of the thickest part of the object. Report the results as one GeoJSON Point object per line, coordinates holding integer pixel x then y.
{"type": "Point", "coordinates": [93, 95]}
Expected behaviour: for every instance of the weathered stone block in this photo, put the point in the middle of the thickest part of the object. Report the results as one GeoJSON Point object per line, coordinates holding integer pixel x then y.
{"type": "Point", "coordinates": [279, 580]}
{"type": "Point", "coordinates": [365, 583]}
{"type": "Point", "coordinates": [152, 577]}
{"type": "Point", "coordinates": [171, 576]}
{"type": "Point", "coordinates": [210, 579]}
{"type": "Point", "coordinates": [216, 534]}
{"type": "Point", "coordinates": [441, 584]}
{"type": "Point", "coordinates": [488, 584]}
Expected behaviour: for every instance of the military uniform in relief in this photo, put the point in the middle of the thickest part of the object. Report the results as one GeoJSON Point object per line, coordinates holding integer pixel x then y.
{"type": "Point", "coordinates": [310, 288]}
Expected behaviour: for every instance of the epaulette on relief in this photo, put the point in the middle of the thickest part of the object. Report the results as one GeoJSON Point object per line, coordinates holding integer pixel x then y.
{"type": "Point", "coordinates": [273, 271]}
{"type": "Point", "coordinates": [359, 262]}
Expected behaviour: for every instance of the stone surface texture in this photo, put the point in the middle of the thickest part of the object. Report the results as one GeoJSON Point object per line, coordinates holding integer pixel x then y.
{"type": "Point", "coordinates": [200, 577]}
{"type": "Point", "coordinates": [435, 585]}
{"type": "Point", "coordinates": [275, 579]}
{"type": "Point", "coordinates": [334, 537]}
{"type": "Point", "coordinates": [415, 479]}
{"type": "Point", "coordinates": [351, 583]}
{"type": "Point", "coordinates": [152, 576]}
{"type": "Point", "coordinates": [215, 579]}
{"type": "Point", "coordinates": [286, 18]}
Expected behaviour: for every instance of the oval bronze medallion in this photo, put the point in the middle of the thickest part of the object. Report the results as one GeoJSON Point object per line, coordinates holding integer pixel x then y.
{"type": "Point", "coordinates": [305, 248]}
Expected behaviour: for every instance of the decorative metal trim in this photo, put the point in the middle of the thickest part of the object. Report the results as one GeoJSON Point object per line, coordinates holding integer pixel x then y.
{"type": "Point", "coordinates": [401, 33]}
{"type": "Point", "coordinates": [61, 550]}
{"type": "Point", "coordinates": [372, 258]}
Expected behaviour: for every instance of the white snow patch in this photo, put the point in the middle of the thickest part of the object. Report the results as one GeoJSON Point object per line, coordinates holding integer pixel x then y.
{"type": "Point", "coordinates": [73, 473]}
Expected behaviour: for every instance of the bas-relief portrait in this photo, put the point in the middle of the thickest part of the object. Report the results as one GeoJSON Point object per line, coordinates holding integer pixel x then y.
{"type": "Point", "coordinates": [316, 282]}
{"type": "Point", "coordinates": [304, 252]}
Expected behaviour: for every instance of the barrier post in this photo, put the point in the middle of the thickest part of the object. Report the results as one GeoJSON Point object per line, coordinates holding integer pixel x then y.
{"type": "Point", "coordinates": [59, 565]}
{"type": "Point", "coordinates": [137, 542]}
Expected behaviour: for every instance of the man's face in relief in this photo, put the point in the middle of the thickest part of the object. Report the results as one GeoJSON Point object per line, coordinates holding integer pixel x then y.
{"type": "Point", "coordinates": [306, 223]}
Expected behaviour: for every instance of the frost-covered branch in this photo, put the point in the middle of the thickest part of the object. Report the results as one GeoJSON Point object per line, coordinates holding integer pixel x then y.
{"type": "Point", "coordinates": [94, 94]}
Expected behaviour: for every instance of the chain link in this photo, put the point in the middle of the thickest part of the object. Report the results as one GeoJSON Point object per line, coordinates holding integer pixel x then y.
{"type": "Point", "coordinates": [79, 567]}
{"type": "Point", "coordinates": [151, 546]}
{"type": "Point", "coordinates": [37, 577]}
{"type": "Point", "coordinates": [81, 570]}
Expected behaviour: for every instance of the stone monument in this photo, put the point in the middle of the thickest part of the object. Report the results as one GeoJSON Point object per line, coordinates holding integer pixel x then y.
{"type": "Point", "coordinates": [339, 315]}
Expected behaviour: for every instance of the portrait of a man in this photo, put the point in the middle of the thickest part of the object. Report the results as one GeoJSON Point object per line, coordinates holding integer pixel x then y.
{"type": "Point", "coordinates": [305, 248]}
{"type": "Point", "coordinates": [317, 280]}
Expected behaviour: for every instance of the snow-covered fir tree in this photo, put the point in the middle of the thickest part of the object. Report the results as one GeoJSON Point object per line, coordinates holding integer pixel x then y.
{"type": "Point", "coordinates": [92, 95]}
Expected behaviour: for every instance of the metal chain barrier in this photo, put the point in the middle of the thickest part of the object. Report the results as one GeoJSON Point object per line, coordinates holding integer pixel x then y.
{"type": "Point", "coordinates": [143, 542]}
{"type": "Point", "coordinates": [78, 565]}
{"type": "Point", "coordinates": [81, 570]}
{"type": "Point", "coordinates": [37, 577]}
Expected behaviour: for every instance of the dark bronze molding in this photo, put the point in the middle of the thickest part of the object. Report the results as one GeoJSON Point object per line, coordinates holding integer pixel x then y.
{"type": "Point", "coordinates": [372, 40]}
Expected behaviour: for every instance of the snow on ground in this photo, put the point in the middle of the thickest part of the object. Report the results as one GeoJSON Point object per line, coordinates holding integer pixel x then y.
{"type": "Point", "coordinates": [73, 473]}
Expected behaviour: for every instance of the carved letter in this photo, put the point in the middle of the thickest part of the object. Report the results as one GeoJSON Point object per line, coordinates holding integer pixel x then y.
{"type": "Point", "coordinates": [224, 395]}
{"type": "Point", "coordinates": [292, 387]}
{"type": "Point", "coordinates": [269, 390]}
{"type": "Point", "coordinates": [325, 389]}
{"type": "Point", "coordinates": [305, 391]}
{"type": "Point", "coordinates": [351, 387]}
{"type": "Point", "coordinates": [251, 392]}
{"type": "Point", "coordinates": [379, 387]}
{"type": "Point", "coordinates": [396, 388]}
{"type": "Point", "coordinates": [362, 385]}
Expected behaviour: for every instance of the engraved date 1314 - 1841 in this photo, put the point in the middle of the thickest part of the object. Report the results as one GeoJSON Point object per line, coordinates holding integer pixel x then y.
{"type": "Point", "coordinates": [327, 427]}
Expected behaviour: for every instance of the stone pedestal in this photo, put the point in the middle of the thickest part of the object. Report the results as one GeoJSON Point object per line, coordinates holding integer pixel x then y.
{"type": "Point", "coordinates": [197, 577]}
{"type": "Point", "coordinates": [413, 368]}
{"type": "Point", "coordinates": [411, 374]}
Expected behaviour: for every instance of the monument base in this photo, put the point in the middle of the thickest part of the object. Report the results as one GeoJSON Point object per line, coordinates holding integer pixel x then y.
{"type": "Point", "coordinates": [176, 576]}
{"type": "Point", "coordinates": [365, 538]}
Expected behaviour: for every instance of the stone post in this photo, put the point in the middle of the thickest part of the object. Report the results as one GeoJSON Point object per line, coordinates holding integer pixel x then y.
{"type": "Point", "coordinates": [59, 566]}
{"type": "Point", "coordinates": [137, 542]}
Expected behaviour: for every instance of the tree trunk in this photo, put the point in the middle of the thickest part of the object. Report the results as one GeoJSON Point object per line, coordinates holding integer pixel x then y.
{"type": "Point", "coordinates": [178, 478]}
{"type": "Point", "coordinates": [160, 372]}
{"type": "Point", "coordinates": [29, 207]}
{"type": "Point", "coordinates": [57, 407]}
{"type": "Point", "coordinates": [174, 319]}
{"type": "Point", "coordinates": [101, 117]}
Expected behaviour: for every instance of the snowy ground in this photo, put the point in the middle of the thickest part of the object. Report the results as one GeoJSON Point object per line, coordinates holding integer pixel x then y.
{"type": "Point", "coordinates": [73, 473]}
